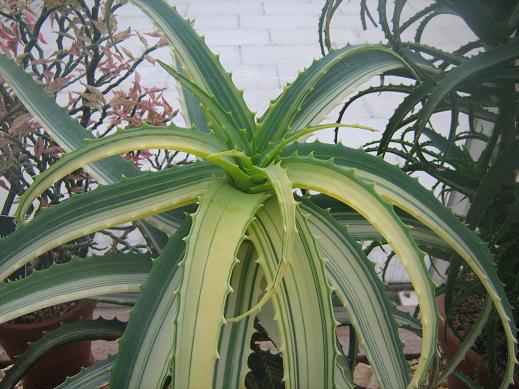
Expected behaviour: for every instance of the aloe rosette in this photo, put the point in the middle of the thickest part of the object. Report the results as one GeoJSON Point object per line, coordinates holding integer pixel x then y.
{"type": "Point", "coordinates": [252, 249]}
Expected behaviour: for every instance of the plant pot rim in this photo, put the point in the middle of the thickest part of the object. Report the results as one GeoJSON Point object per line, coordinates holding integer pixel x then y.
{"type": "Point", "coordinates": [81, 305]}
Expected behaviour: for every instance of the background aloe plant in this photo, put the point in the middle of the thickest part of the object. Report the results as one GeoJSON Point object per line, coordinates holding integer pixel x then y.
{"type": "Point", "coordinates": [251, 248]}
{"type": "Point", "coordinates": [474, 157]}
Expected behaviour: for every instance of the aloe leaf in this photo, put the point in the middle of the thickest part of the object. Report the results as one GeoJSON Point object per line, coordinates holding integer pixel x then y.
{"type": "Point", "coordinates": [360, 65]}
{"type": "Point", "coordinates": [362, 293]}
{"type": "Point", "coordinates": [471, 67]}
{"type": "Point", "coordinates": [104, 207]}
{"type": "Point", "coordinates": [69, 134]}
{"type": "Point", "coordinates": [302, 304]}
{"type": "Point", "coordinates": [187, 140]}
{"type": "Point", "coordinates": [144, 350]}
{"type": "Point", "coordinates": [73, 280]}
{"type": "Point", "coordinates": [64, 130]}
{"type": "Point", "coordinates": [211, 247]}
{"type": "Point", "coordinates": [200, 64]}
{"type": "Point", "coordinates": [406, 106]}
{"type": "Point", "coordinates": [279, 181]}
{"type": "Point", "coordinates": [125, 298]}
{"type": "Point", "coordinates": [343, 185]}
{"type": "Point", "coordinates": [234, 344]}
{"type": "Point", "coordinates": [503, 167]}
{"type": "Point", "coordinates": [191, 111]}
{"type": "Point", "coordinates": [279, 118]}
{"type": "Point", "coordinates": [407, 194]}
{"type": "Point", "coordinates": [67, 333]}
{"type": "Point", "coordinates": [468, 342]}
{"type": "Point", "coordinates": [361, 230]}
{"type": "Point", "coordinates": [225, 127]}
{"type": "Point", "coordinates": [94, 377]}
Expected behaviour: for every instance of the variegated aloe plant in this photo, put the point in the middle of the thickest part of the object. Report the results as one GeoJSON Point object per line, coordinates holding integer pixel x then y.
{"type": "Point", "coordinates": [251, 249]}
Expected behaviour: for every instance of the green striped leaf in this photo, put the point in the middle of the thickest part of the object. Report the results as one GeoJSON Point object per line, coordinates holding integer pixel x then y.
{"type": "Point", "coordinates": [102, 208]}
{"type": "Point", "coordinates": [143, 358]}
{"type": "Point", "coordinates": [77, 279]}
{"type": "Point", "coordinates": [191, 111]}
{"type": "Point", "coordinates": [362, 294]}
{"type": "Point", "coordinates": [93, 377]}
{"type": "Point", "coordinates": [343, 185]}
{"type": "Point", "coordinates": [279, 118]}
{"type": "Point", "coordinates": [468, 342]}
{"type": "Point", "coordinates": [172, 137]}
{"type": "Point", "coordinates": [64, 130]}
{"type": "Point", "coordinates": [234, 344]}
{"type": "Point", "coordinates": [67, 333]}
{"type": "Point", "coordinates": [471, 67]}
{"type": "Point", "coordinates": [407, 194]}
{"type": "Point", "coordinates": [302, 304]}
{"type": "Point", "coordinates": [361, 230]}
{"type": "Point", "coordinates": [211, 247]}
{"type": "Point", "coordinates": [278, 179]}
{"type": "Point", "coordinates": [362, 64]}
{"type": "Point", "coordinates": [200, 64]}
{"type": "Point", "coordinates": [224, 124]}
{"type": "Point", "coordinates": [70, 135]}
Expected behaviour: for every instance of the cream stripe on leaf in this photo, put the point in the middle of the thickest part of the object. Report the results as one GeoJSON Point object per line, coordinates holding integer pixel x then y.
{"type": "Point", "coordinates": [362, 294]}
{"type": "Point", "coordinates": [104, 207]}
{"type": "Point", "coordinates": [171, 137]}
{"type": "Point", "coordinates": [217, 232]}
{"type": "Point", "coordinates": [302, 303]}
{"type": "Point", "coordinates": [343, 185]}
{"type": "Point", "coordinates": [77, 279]}
{"type": "Point", "coordinates": [143, 358]}
{"type": "Point", "coordinates": [406, 193]}
{"type": "Point", "coordinates": [320, 88]}
{"type": "Point", "coordinates": [70, 135]}
{"type": "Point", "coordinates": [234, 344]}
{"type": "Point", "coordinates": [201, 65]}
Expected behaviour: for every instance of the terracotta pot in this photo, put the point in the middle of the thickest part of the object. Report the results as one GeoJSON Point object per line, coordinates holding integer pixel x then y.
{"type": "Point", "coordinates": [57, 365]}
{"type": "Point", "coordinates": [472, 367]}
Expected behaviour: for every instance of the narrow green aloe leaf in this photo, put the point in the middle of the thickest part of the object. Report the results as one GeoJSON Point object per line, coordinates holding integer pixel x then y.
{"type": "Point", "coordinates": [225, 127]}
{"type": "Point", "coordinates": [180, 139]}
{"type": "Point", "coordinates": [343, 375]}
{"type": "Point", "coordinates": [217, 232]}
{"type": "Point", "coordinates": [361, 230]}
{"type": "Point", "coordinates": [302, 304]}
{"type": "Point", "coordinates": [67, 333]}
{"type": "Point", "coordinates": [362, 293]}
{"type": "Point", "coordinates": [64, 130]}
{"type": "Point", "coordinates": [362, 64]}
{"type": "Point", "coordinates": [93, 377]}
{"type": "Point", "coordinates": [320, 88]}
{"type": "Point", "coordinates": [407, 194]}
{"type": "Point", "coordinates": [468, 342]}
{"type": "Point", "coordinates": [343, 185]}
{"type": "Point", "coordinates": [277, 177]}
{"type": "Point", "coordinates": [191, 111]}
{"type": "Point", "coordinates": [79, 278]}
{"type": "Point", "coordinates": [234, 344]}
{"type": "Point", "coordinates": [200, 64]}
{"type": "Point", "coordinates": [70, 135]}
{"type": "Point", "coordinates": [104, 207]}
{"type": "Point", "coordinates": [143, 358]}
{"type": "Point", "coordinates": [471, 67]}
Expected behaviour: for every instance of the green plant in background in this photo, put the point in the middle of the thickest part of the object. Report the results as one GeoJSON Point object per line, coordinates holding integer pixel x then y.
{"type": "Point", "coordinates": [474, 84]}
{"type": "Point", "coordinates": [251, 248]}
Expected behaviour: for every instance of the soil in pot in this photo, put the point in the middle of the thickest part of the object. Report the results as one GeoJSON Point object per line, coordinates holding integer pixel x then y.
{"type": "Point", "coordinates": [64, 361]}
